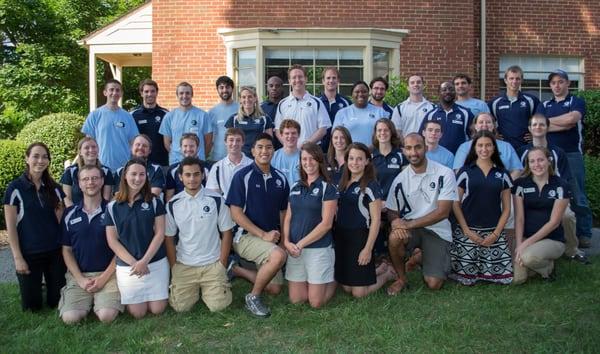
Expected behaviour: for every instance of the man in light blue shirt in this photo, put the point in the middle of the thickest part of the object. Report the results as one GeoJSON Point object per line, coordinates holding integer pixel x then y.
{"type": "Point", "coordinates": [112, 127]}
{"type": "Point", "coordinates": [433, 133]}
{"type": "Point", "coordinates": [219, 115]}
{"type": "Point", "coordinates": [186, 119]}
{"type": "Point", "coordinates": [287, 159]}
{"type": "Point", "coordinates": [462, 85]}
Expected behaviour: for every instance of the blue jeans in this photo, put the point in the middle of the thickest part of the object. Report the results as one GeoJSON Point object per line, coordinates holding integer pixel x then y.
{"type": "Point", "coordinates": [579, 202]}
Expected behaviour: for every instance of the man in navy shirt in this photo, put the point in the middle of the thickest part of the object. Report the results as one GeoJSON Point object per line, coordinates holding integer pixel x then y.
{"type": "Point", "coordinates": [274, 95]}
{"type": "Point", "coordinates": [513, 109]}
{"type": "Point", "coordinates": [148, 117]}
{"type": "Point", "coordinates": [91, 263]}
{"type": "Point", "coordinates": [332, 100]}
{"type": "Point", "coordinates": [258, 198]}
{"type": "Point", "coordinates": [566, 114]}
{"type": "Point", "coordinates": [455, 119]}
{"type": "Point", "coordinates": [379, 87]}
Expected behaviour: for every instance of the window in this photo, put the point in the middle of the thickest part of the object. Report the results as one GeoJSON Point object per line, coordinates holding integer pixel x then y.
{"type": "Point", "coordinates": [536, 70]}
{"type": "Point", "coordinates": [349, 61]}
{"type": "Point", "coordinates": [255, 54]}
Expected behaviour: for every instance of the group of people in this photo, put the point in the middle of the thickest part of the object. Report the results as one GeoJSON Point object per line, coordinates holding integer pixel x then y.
{"type": "Point", "coordinates": [162, 207]}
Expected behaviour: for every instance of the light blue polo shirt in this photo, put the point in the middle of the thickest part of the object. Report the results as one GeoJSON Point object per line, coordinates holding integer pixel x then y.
{"type": "Point", "coordinates": [441, 155]}
{"type": "Point", "coordinates": [177, 122]}
{"type": "Point", "coordinates": [113, 130]}
{"type": "Point", "coordinates": [288, 164]}
{"type": "Point", "coordinates": [219, 115]}
{"type": "Point", "coordinates": [359, 121]}
{"type": "Point", "coordinates": [475, 105]}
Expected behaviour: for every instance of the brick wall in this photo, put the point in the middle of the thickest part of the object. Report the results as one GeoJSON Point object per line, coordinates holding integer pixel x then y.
{"type": "Point", "coordinates": [443, 38]}
{"type": "Point", "coordinates": [186, 45]}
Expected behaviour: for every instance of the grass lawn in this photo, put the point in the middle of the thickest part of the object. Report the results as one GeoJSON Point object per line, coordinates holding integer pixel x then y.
{"type": "Point", "coordinates": [561, 317]}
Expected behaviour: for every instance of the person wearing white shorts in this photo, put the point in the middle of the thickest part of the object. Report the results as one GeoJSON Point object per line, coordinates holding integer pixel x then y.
{"type": "Point", "coordinates": [135, 229]}
{"type": "Point", "coordinates": [307, 231]}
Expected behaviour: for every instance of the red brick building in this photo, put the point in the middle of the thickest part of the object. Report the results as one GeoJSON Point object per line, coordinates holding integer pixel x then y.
{"type": "Point", "coordinates": [197, 41]}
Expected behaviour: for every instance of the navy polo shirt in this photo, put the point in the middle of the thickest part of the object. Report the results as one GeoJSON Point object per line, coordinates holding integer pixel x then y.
{"type": "Point", "coordinates": [86, 234]}
{"type": "Point", "coordinates": [335, 174]}
{"type": "Point", "coordinates": [538, 204]}
{"type": "Point", "coordinates": [37, 226]}
{"type": "Point", "coordinates": [135, 226]}
{"type": "Point", "coordinates": [70, 178]}
{"type": "Point", "coordinates": [572, 139]}
{"type": "Point", "coordinates": [558, 158]}
{"type": "Point", "coordinates": [156, 177]}
{"type": "Point", "coordinates": [482, 200]}
{"type": "Point", "coordinates": [388, 167]}
{"type": "Point", "coordinates": [455, 124]}
{"type": "Point", "coordinates": [334, 106]}
{"type": "Point", "coordinates": [148, 122]}
{"type": "Point", "coordinates": [306, 204]}
{"type": "Point", "coordinates": [261, 196]}
{"type": "Point", "coordinates": [174, 182]}
{"type": "Point", "coordinates": [251, 127]}
{"type": "Point", "coordinates": [513, 117]}
{"type": "Point", "coordinates": [353, 205]}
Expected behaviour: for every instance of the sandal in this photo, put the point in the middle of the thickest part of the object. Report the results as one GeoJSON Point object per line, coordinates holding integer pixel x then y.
{"type": "Point", "coordinates": [397, 286]}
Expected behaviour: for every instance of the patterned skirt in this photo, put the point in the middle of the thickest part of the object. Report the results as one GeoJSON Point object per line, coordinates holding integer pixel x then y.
{"type": "Point", "coordinates": [471, 262]}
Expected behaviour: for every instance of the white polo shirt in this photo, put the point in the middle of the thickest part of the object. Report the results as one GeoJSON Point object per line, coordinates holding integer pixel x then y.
{"type": "Point", "coordinates": [309, 112]}
{"type": "Point", "coordinates": [408, 115]}
{"type": "Point", "coordinates": [416, 195]}
{"type": "Point", "coordinates": [198, 220]}
{"type": "Point", "coordinates": [222, 171]}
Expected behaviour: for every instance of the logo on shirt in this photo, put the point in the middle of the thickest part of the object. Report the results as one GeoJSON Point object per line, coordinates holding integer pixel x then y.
{"type": "Point", "coordinates": [257, 121]}
{"type": "Point", "coordinates": [356, 190]}
{"type": "Point", "coordinates": [145, 206]}
{"type": "Point", "coordinates": [371, 115]}
{"type": "Point", "coordinates": [432, 186]}
{"type": "Point", "coordinates": [552, 194]}
{"type": "Point", "coordinates": [394, 160]}
{"type": "Point", "coordinates": [424, 110]}
{"type": "Point", "coordinates": [278, 183]}
{"type": "Point", "coordinates": [194, 122]}
{"type": "Point", "coordinates": [206, 209]}
{"type": "Point", "coordinates": [340, 105]}
{"type": "Point", "coordinates": [458, 116]}
{"type": "Point", "coordinates": [120, 124]}
{"type": "Point", "coordinates": [308, 104]}
{"type": "Point", "coordinates": [157, 119]}
{"type": "Point", "coordinates": [498, 175]}
{"type": "Point", "coordinates": [102, 216]}
{"type": "Point", "coordinates": [315, 191]}
{"type": "Point", "coordinates": [567, 104]}
{"type": "Point", "coordinates": [523, 104]}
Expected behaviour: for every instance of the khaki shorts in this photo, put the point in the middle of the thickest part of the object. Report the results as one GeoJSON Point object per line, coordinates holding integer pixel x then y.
{"type": "Point", "coordinates": [436, 252]}
{"type": "Point", "coordinates": [74, 298]}
{"type": "Point", "coordinates": [257, 250]}
{"type": "Point", "coordinates": [315, 266]}
{"type": "Point", "coordinates": [188, 281]}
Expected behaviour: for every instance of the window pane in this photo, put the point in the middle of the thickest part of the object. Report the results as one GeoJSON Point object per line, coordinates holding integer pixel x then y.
{"type": "Point", "coordinates": [381, 63]}
{"type": "Point", "coordinates": [247, 77]}
{"type": "Point", "coordinates": [277, 57]}
{"type": "Point", "coordinates": [246, 58]}
{"type": "Point", "coordinates": [326, 57]}
{"type": "Point", "coordinates": [302, 56]}
{"type": "Point", "coordinates": [351, 75]}
{"type": "Point", "coordinates": [346, 90]}
{"type": "Point", "coordinates": [351, 57]}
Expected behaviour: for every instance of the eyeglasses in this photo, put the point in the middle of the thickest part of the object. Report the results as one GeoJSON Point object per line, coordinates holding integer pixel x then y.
{"type": "Point", "coordinates": [93, 178]}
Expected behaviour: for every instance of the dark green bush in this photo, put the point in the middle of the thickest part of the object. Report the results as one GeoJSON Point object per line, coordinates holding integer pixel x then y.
{"type": "Point", "coordinates": [592, 184]}
{"type": "Point", "coordinates": [12, 160]}
{"type": "Point", "coordinates": [592, 121]}
{"type": "Point", "coordinates": [60, 131]}
{"type": "Point", "coordinates": [397, 91]}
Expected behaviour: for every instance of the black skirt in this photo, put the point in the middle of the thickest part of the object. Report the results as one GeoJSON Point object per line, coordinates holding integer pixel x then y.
{"type": "Point", "coordinates": [348, 244]}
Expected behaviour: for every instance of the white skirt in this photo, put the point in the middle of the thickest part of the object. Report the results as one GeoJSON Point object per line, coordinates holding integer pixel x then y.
{"type": "Point", "coordinates": [151, 287]}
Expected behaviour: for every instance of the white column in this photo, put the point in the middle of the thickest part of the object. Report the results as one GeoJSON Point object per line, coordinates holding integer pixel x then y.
{"type": "Point", "coordinates": [117, 72]}
{"type": "Point", "coordinates": [92, 79]}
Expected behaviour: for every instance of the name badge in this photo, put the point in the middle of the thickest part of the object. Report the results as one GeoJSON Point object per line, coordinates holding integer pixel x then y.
{"type": "Point", "coordinates": [393, 165]}
{"type": "Point", "coordinates": [75, 221]}
{"type": "Point", "coordinates": [529, 190]}
{"type": "Point", "coordinates": [504, 107]}
{"type": "Point", "coordinates": [194, 130]}
{"type": "Point", "coordinates": [243, 122]}
{"type": "Point", "coordinates": [295, 193]}
{"type": "Point", "coordinates": [143, 121]}
{"type": "Point", "coordinates": [457, 122]}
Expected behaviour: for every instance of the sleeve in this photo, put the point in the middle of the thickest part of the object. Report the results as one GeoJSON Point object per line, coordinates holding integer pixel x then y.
{"type": "Point", "coordinates": [448, 188]}
{"type": "Point", "coordinates": [158, 178]}
{"type": "Point", "coordinates": [65, 240]}
{"type": "Point", "coordinates": [461, 178]}
{"type": "Point", "coordinates": [109, 177]}
{"type": "Point", "coordinates": [170, 225]}
{"type": "Point", "coordinates": [278, 115]}
{"type": "Point", "coordinates": [159, 207]}
{"type": "Point", "coordinates": [229, 122]}
{"type": "Point", "coordinates": [516, 188]}
{"type": "Point", "coordinates": [170, 180]}
{"type": "Point", "coordinates": [373, 191]}
{"type": "Point", "coordinates": [225, 221]}
{"type": "Point", "coordinates": [330, 192]}
{"type": "Point", "coordinates": [483, 107]}
{"type": "Point", "coordinates": [461, 155]}
{"type": "Point", "coordinates": [563, 165]}
{"type": "Point", "coordinates": [514, 163]}
{"type": "Point", "coordinates": [89, 126]}
{"type": "Point", "coordinates": [489, 105]}
{"type": "Point", "coordinates": [284, 201]}
{"type": "Point", "coordinates": [470, 118]}
{"type": "Point", "coordinates": [207, 126]}
{"type": "Point", "coordinates": [536, 103]}
{"type": "Point", "coordinates": [396, 116]}
{"type": "Point", "coordinates": [541, 108]}
{"type": "Point", "coordinates": [423, 122]}
{"type": "Point", "coordinates": [339, 118]}
{"type": "Point", "coordinates": [59, 192]}
{"type": "Point", "coordinates": [567, 193]}
{"type": "Point", "coordinates": [323, 116]}
{"type": "Point", "coordinates": [237, 193]}
{"type": "Point", "coordinates": [579, 106]}
{"type": "Point", "coordinates": [212, 182]}
{"type": "Point", "coordinates": [450, 160]}
{"type": "Point", "coordinates": [133, 129]}
{"type": "Point", "coordinates": [507, 181]}
{"type": "Point", "coordinates": [391, 201]}
{"type": "Point", "coordinates": [269, 122]}
{"type": "Point", "coordinates": [109, 216]}
{"type": "Point", "coordinates": [67, 178]}
{"type": "Point", "coordinates": [165, 125]}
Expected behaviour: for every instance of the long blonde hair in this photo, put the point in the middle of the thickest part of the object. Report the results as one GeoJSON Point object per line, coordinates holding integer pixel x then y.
{"type": "Point", "coordinates": [546, 152]}
{"type": "Point", "coordinates": [79, 160]}
{"type": "Point", "coordinates": [257, 113]}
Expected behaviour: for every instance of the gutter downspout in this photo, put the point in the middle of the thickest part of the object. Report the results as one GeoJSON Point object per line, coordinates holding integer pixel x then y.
{"type": "Point", "coordinates": [483, 67]}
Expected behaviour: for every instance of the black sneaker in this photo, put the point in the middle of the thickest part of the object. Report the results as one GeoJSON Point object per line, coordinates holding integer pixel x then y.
{"type": "Point", "coordinates": [255, 305]}
{"type": "Point", "coordinates": [580, 257]}
{"type": "Point", "coordinates": [233, 260]}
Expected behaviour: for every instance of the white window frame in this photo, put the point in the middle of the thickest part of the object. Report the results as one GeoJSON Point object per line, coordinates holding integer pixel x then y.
{"type": "Point", "coordinates": [262, 38]}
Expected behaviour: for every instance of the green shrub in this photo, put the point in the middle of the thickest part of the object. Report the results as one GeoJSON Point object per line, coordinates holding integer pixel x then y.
{"type": "Point", "coordinates": [592, 121]}
{"type": "Point", "coordinates": [12, 160]}
{"type": "Point", "coordinates": [592, 184]}
{"type": "Point", "coordinates": [60, 131]}
{"type": "Point", "coordinates": [397, 91]}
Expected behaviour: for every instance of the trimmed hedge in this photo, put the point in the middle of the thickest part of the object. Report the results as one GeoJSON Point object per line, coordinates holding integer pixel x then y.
{"type": "Point", "coordinates": [12, 160]}
{"type": "Point", "coordinates": [592, 184]}
{"type": "Point", "coordinates": [61, 132]}
{"type": "Point", "coordinates": [591, 121]}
